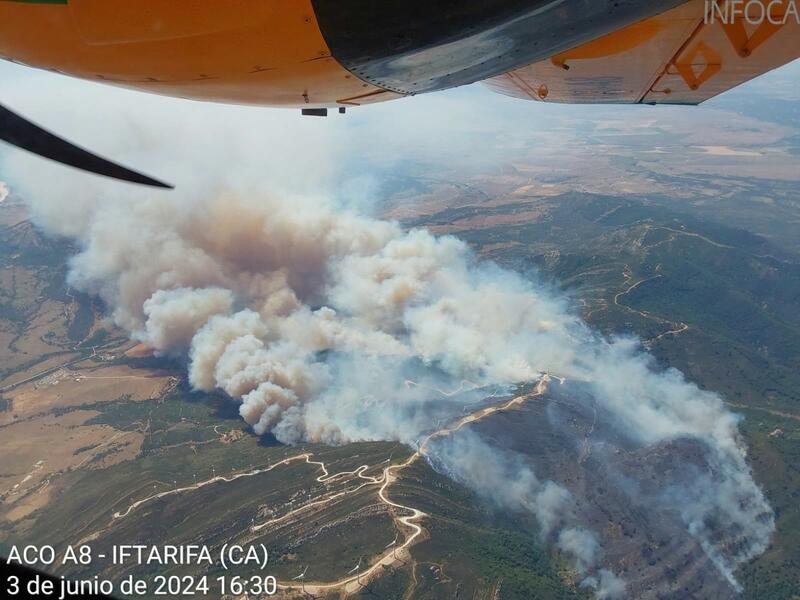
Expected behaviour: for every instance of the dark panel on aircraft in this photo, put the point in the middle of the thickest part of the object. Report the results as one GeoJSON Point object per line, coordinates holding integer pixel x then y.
{"type": "Point", "coordinates": [413, 46]}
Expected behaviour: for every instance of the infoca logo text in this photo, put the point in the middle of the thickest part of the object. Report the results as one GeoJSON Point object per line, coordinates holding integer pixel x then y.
{"type": "Point", "coordinates": [752, 12]}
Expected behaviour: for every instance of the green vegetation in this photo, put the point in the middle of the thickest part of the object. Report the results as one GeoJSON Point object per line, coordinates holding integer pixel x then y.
{"type": "Point", "coordinates": [775, 453]}
{"type": "Point", "coordinates": [176, 419]}
{"type": "Point", "coordinates": [520, 563]}
{"type": "Point", "coordinates": [83, 320]}
{"type": "Point", "coordinates": [99, 337]}
{"type": "Point", "coordinates": [473, 549]}
{"type": "Point", "coordinates": [736, 290]}
{"type": "Point", "coordinates": [331, 539]}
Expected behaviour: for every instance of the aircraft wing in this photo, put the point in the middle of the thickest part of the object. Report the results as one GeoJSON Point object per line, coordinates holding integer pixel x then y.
{"type": "Point", "coordinates": [685, 55]}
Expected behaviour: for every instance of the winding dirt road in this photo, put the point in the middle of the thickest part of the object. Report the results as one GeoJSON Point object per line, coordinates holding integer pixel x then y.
{"type": "Point", "coordinates": [408, 522]}
{"type": "Point", "coordinates": [411, 520]}
{"type": "Point", "coordinates": [677, 328]}
{"type": "Point", "coordinates": [197, 486]}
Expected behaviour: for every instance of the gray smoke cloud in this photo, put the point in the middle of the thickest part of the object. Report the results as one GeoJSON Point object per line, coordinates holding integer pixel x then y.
{"type": "Point", "coordinates": [503, 479]}
{"type": "Point", "coordinates": [506, 481]}
{"type": "Point", "coordinates": [300, 311]}
{"type": "Point", "coordinates": [606, 585]}
{"type": "Point", "coordinates": [312, 315]}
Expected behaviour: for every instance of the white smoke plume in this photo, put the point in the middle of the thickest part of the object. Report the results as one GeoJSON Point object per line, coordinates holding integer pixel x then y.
{"type": "Point", "coordinates": [507, 482]}
{"type": "Point", "coordinates": [504, 480]}
{"type": "Point", "coordinates": [311, 315]}
{"type": "Point", "coordinates": [270, 298]}
{"type": "Point", "coordinates": [606, 585]}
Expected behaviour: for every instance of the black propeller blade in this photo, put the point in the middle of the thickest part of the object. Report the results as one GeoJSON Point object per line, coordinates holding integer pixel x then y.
{"type": "Point", "coordinates": [29, 136]}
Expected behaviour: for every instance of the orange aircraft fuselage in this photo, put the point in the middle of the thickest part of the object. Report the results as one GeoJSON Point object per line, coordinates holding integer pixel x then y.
{"type": "Point", "coordinates": [262, 52]}
{"type": "Point", "coordinates": [301, 53]}
{"type": "Point", "coordinates": [316, 54]}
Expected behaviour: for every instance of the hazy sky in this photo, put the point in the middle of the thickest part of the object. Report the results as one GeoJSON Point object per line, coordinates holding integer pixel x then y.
{"type": "Point", "coordinates": [464, 124]}
{"type": "Point", "coordinates": [450, 105]}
